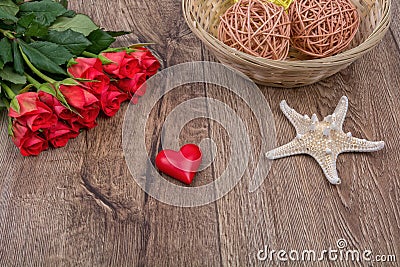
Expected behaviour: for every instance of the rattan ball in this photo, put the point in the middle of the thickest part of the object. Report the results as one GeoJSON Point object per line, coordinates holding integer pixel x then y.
{"type": "Point", "coordinates": [259, 28]}
{"type": "Point", "coordinates": [322, 28]}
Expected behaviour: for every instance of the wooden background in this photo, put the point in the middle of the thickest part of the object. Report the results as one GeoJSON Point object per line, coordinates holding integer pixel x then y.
{"type": "Point", "coordinates": [79, 206]}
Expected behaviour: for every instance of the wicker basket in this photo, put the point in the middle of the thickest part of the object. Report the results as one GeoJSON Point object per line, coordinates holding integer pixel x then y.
{"type": "Point", "coordinates": [203, 17]}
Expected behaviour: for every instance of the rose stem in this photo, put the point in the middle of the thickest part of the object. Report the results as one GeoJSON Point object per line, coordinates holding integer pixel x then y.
{"type": "Point", "coordinates": [35, 70]}
{"type": "Point", "coordinates": [8, 91]}
{"type": "Point", "coordinates": [88, 54]}
{"type": "Point", "coordinates": [7, 34]}
{"type": "Point", "coordinates": [32, 81]}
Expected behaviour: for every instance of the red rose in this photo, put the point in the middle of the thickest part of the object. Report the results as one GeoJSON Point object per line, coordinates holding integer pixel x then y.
{"type": "Point", "coordinates": [111, 100]}
{"type": "Point", "coordinates": [83, 65]}
{"type": "Point", "coordinates": [85, 103]}
{"type": "Point", "coordinates": [63, 113]}
{"type": "Point", "coordinates": [91, 69]}
{"type": "Point", "coordinates": [101, 83]}
{"type": "Point", "coordinates": [28, 142]}
{"type": "Point", "coordinates": [60, 134]}
{"type": "Point", "coordinates": [130, 86]}
{"type": "Point", "coordinates": [79, 124]}
{"type": "Point", "coordinates": [32, 112]}
{"type": "Point", "coordinates": [139, 92]}
{"type": "Point", "coordinates": [59, 109]}
{"type": "Point", "coordinates": [147, 61]}
{"type": "Point", "coordinates": [123, 66]}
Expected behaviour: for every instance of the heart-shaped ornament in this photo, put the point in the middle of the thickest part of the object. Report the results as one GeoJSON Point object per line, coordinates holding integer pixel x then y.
{"type": "Point", "coordinates": [181, 165]}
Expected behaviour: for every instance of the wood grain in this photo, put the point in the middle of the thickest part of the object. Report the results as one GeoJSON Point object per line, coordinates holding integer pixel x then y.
{"type": "Point", "coordinates": [79, 206]}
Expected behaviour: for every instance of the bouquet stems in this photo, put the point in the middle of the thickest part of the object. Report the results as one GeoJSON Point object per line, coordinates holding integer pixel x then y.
{"type": "Point", "coordinates": [35, 70]}
{"type": "Point", "coordinates": [34, 82]}
{"type": "Point", "coordinates": [9, 92]}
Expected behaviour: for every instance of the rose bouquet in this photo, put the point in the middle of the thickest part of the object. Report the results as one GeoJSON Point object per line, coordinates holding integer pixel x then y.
{"type": "Point", "coordinates": [58, 73]}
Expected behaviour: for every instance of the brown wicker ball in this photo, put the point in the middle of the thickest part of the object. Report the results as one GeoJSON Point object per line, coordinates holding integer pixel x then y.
{"type": "Point", "coordinates": [259, 28]}
{"type": "Point", "coordinates": [322, 28]}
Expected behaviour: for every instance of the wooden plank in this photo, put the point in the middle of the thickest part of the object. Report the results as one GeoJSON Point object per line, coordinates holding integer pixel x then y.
{"type": "Point", "coordinates": [296, 208]}
{"type": "Point", "coordinates": [80, 206]}
{"type": "Point", "coordinates": [164, 228]}
{"type": "Point", "coordinates": [34, 210]}
{"type": "Point", "coordinates": [72, 206]}
{"type": "Point", "coordinates": [178, 236]}
{"type": "Point", "coordinates": [395, 24]}
{"type": "Point", "coordinates": [107, 205]}
{"type": "Point", "coordinates": [156, 227]}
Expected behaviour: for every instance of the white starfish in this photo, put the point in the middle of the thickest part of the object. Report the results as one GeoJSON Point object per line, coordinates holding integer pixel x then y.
{"type": "Point", "coordinates": [324, 140]}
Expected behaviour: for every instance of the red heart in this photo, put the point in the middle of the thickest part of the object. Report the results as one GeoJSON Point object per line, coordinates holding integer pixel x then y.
{"type": "Point", "coordinates": [181, 165]}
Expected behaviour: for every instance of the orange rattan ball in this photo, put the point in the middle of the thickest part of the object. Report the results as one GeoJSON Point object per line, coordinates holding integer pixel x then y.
{"type": "Point", "coordinates": [258, 28]}
{"type": "Point", "coordinates": [322, 28]}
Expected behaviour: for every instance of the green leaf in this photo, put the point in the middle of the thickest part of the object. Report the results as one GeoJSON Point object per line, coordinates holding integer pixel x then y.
{"type": "Point", "coordinates": [118, 49]}
{"type": "Point", "coordinates": [134, 46]}
{"type": "Point", "coordinates": [48, 88]}
{"type": "Point", "coordinates": [26, 20]}
{"type": "Point", "coordinates": [46, 11]}
{"type": "Point", "coordinates": [85, 80]}
{"type": "Point", "coordinates": [69, 14]}
{"type": "Point", "coordinates": [5, 51]}
{"type": "Point", "coordinates": [16, 88]}
{"type": "Point", "coordinates": [75, 42]}
{"type": "Point", "coordinates": [100, 40]}
{"type": "Point", "coordinates": [117, 33]}
{"type": "Point", "coordinates": [10, 127]}
{"type": "Point", "coordinates": [30, 27]}
{"type": "Point", "coordinates": [8, 93]}
{"type": "Point", "coordinates": [6, 27]}
{"type": "Point", "coordinates": [36, 29]}
{"type": "Point", "coordinates": [58, 54]}
{"type": "Point", "coordinates": [79, 23]}
{"type": "Point", "coordinates": [18, 61]}
{"type": "Point", "coordinates": [105, 60]}
{"type": "Point", "coordinates": [8, 74]}
{"type": "Point", "coordinates": [25, 89]}
{"type": "Point", "coordinates": [55, 91]}
{"type": "Point", "coordinates": [8, 10]}
{"type": "Point", "coordinates": [69, 81]}
{"type": "Point", "coordinates": [15, 105]}
{"type": "Point", "coordinates": [63, 2]}
{"type": "Point", "coordinates": [40, 60]}
{"type": "Point", "coordinates": [1, 64]}
{"type": "Point", "coordinates": [71, 62]}
{"type": "Point", "coordinates": [21, 88]}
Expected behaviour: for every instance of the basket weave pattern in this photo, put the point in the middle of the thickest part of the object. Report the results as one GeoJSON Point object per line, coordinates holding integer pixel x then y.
{"type": "Point", "coordinates": [313, 33]}
{"type": "Point", "coordinates": [203, 17]}
{"type": "Point", "coordinates": [240, 28]}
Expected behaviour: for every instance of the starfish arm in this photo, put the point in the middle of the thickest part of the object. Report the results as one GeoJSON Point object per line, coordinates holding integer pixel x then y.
{"type": "Point", "coordinates": [290, 149]}
{"type": "Point", "coordinates": [300, 122]}
{"type": "Point", "coordinates": [328, 165]}
{"type": "Point", "coordinates": [341, 111]}
{"type": "Point", "coordinates": [353, 144]}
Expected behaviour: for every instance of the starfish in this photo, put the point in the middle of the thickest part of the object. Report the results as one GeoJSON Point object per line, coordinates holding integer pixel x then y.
{"type": "Point", "coordinates": [323, 140]}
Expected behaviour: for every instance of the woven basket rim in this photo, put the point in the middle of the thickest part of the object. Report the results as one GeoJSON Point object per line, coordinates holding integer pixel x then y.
{"type": "Point", "coordinates": [348, 55]}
